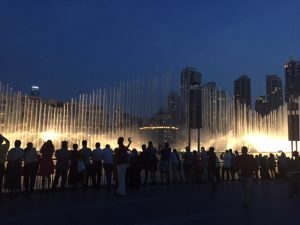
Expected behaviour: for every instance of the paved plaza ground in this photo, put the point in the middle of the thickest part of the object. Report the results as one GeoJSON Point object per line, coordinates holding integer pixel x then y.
{"type": "Point", "coordinates": [156, 205]}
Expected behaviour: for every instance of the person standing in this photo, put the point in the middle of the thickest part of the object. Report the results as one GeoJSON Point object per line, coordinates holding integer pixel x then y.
{"type": "Point", "coordinates": [246, 166]}
{"type": "Point", "coordinates": [13, 170]}
{"type": "Point", "coordinates": [62, 165]}
{"type": "Point", "coordinates": [108, 159]}
{"type": "Point", "coordinates": [3, 153]}
{"type": "Point", "coordinates": [152, 162]}
{"type": "Point", "coordinates": [75, 176]}
{"type": "Point", "coordinates": [97, 157]}
{"type": "Point", "coordinates": [187, 164]}
{"type": "Point", "coordinates": [46, 164]}
{"type": "Point", "coordinates": [175, 164]}
{"type": "Point", "coordinates": [211, 168]}
{"type": "Point", "coordinates": [164, 164]}
{"type": "Point", "coordinates": [86, 154]}
{"type": "Point", "coordinates": [31, 167]}
{"type": "Point", "coordinates": [144, 159]}
{"type": "Point", "coordinates": [121, 160]}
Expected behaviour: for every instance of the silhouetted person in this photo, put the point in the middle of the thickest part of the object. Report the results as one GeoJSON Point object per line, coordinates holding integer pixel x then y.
{"type": "Point", "coordinates": [187, 164]}
{"type": "Point", "coordinates": [257, 162]}
{"type": "Point", "coordinates": [164, 164]}
{"type": "Point", "coordinates": [62, 165]}
{"type": "Point", "coordinates": [13, 169]}
{"type": "Point", "coordinates": [218, 168]}
{"type": "Point", "coordinates": [97, 157]}
{"type": "Point", "coordinates": [31, 167]}
{"type": "Point", "coordinates": [108, 165]}
{"type": "Point", "coordinates": [197, 168]}
{"type": "Point", "coordinates": [46, 164]}
{"type": "Point", "coordinates": [86, 154]}
{"type": "Point", "coordinates": [3, 153]}
{"type": "Point", "coordinates": [211, 167]}
{"type": "Point", "coordinates": [282, 165]}
{"type": "Point", "coordinates": [233, 166]}
{"type": "Point", "coordinates": [246, 166]}
{"type": "Point", "coordinates": [272, 165]}
{"type": "Point", "coordinates": [176, 166]}
{"type": "Point", "coordinates": [294, 174]}
{"type": "Point", "coordinates": [75, 177]}
{"type": "Point", "coordinates": [121, 159]}
{"type": "Point", "coordinates": [144, 159]}
{"type": "Point", "coordinates": [152, 162]}
{"type": "Point", "coordinates": [134, 170]}
{"type": "Point", "coordinates": [226, 165]}
{"type": "Point", "coordinates": [203, 165]}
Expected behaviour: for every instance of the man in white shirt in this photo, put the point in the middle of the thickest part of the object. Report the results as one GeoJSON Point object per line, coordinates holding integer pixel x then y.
{"type": "Point", "coordinates": [108, 164]}
{"type": "Point", "coordinates": [97, 157]}
{"type": "Point", "coordinates": [3, 152]}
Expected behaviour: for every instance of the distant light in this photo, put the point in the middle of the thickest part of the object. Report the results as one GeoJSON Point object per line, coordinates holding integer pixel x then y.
{"type": "Point", "coordinates": [49, 135]}
{"type": "Point", "coordinates": [35, 88]}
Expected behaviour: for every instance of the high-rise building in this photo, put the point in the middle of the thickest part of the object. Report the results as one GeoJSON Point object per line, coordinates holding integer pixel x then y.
{"type": "Point", "coordinates": [292, 78]}
{"type": "Point", "coordinates": [189, 76]}
{"type": "Point", "coordinates": [274, 91]}
{"type": "Point", "coordinates": [242, 90]}
{"type": "Point", "coordinates": [262, 105]}
{"type": "Point", "coordinates": [35, 91]}
{"type": "Point", "coordinates": [173, 106]}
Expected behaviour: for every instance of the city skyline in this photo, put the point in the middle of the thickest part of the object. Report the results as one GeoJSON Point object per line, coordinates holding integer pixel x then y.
{"type": "Point", "coordinates": [67, 48]}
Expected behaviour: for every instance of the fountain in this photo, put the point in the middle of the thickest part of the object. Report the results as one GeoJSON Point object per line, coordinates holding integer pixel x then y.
{"type": "Point", "coordinates": [121, 110]}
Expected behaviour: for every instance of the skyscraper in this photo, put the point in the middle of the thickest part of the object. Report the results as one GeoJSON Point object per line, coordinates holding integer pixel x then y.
{"type": "Point", "coordinates": [35, 91]}
{"type": "Point", "coordinates": [292, 78]}
{"type": "Point", "coordinates": [189, 76]}
{"type": "Point", "coordinates": [242, 90]}
{"type": "Point", "coordinates": [274, 91]}
{"type": "Point", "coordinates": [262, 106]}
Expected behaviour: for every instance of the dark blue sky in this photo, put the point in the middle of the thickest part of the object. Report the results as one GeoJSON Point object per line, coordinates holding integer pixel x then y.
{"type": "Point", "coordinates": [69, 47]}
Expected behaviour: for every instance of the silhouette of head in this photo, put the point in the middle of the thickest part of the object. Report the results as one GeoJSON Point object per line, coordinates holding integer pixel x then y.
{"type": "Point", "coordinates": [107, 146]}
{"type": "Point", "coordinates": [29, 145]}
{"type": "Point", "coordinates": [175, 150]}
{"type": "Point", "coordinates": [244, 150]}
{"type": "Point", "coordinates": [75, 147]}
{"type": "Point", "coordinates": [187, 148]}
{"type": "Point", "coordinates": [211, 149]}
{"type": "Point", "coordinates": [17, 143]}
{"type": "Point", "coordinates": [64, 144]}
{"type": "Point", "coordinates": [150, 143]}
{"type": "Point", "coordinates": [120, 141]}
{"type": "Point", "coordinates": [143, 147]}
{"type": "Point", "coordinates": [97, 145]}
{"type": "Point", "coordinates": [84, 143]}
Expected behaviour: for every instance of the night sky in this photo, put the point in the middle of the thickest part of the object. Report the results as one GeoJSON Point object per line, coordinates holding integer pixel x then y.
{"type": "Point", "coordinates": [70, 47]}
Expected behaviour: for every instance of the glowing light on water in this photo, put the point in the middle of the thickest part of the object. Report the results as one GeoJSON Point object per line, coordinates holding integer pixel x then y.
{"type": "Point", "coordinates": [264, 143]}
{"type": "Point", "coordinates": [49, 135]}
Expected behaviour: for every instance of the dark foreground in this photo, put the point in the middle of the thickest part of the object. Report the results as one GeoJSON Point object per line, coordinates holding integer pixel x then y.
{"type": "Point", "coordinates": [159, 205]}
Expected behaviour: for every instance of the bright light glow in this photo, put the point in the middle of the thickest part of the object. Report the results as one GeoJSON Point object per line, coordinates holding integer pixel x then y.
{"type": "Point", "coordinates": [159, 127]}
{"type": "Point", "coordinates": [263, 143]}
{"type": "Point", "coordinates": [49, 135]}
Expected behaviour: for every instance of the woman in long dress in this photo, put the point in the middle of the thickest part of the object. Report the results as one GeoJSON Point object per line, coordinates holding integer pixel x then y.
{"type": "Point", "coordinates": [46, 165]}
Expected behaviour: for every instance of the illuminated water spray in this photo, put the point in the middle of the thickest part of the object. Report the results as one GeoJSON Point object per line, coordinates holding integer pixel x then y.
{"type": "Point", "coordinates": [105, 114]}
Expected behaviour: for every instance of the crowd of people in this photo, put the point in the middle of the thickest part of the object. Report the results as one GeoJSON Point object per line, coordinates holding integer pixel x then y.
{"type": "Point", "coordinates": [82, 167]}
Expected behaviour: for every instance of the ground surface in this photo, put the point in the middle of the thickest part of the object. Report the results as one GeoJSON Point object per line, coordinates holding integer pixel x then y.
{"type": "Point", "coordinates": [159, 205]}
